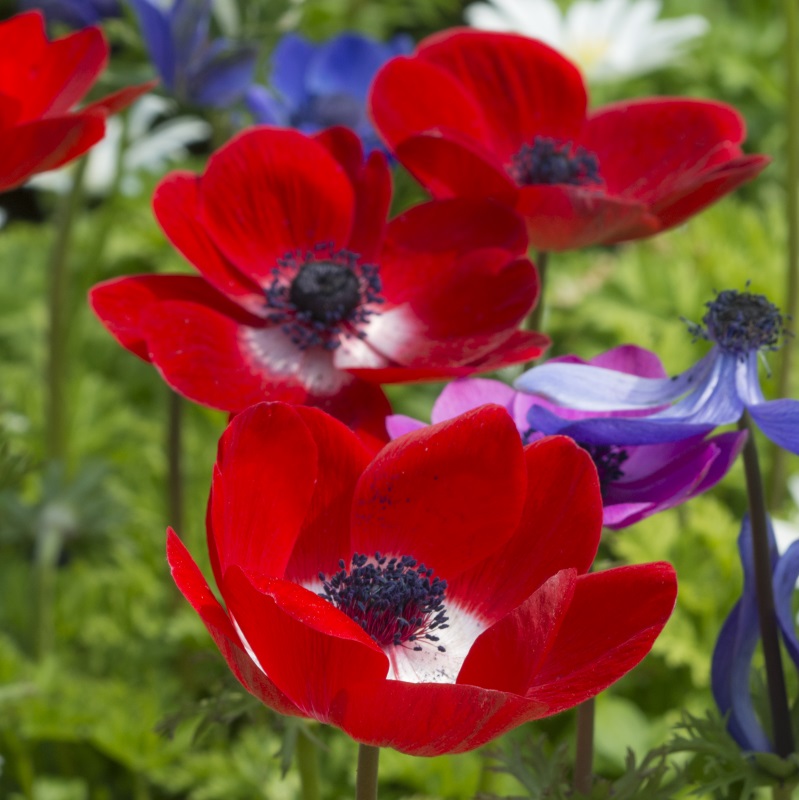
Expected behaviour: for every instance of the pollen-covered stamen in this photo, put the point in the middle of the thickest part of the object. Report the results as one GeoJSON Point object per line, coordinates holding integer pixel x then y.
{"type": "Point", "coordinates": [320, 296]}
{"type": "Point", "coordinates": [741, 322]}
{"type": "Point", "coordinates": [607, 459]}
{"type": "Point", "coordinates": [551, 161]}
{"type": "Point", "coordinates": [396, 601]}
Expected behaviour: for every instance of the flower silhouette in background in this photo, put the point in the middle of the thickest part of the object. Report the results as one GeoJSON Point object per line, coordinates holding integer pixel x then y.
{"type": "Point", "coordinates": [307, 295]}
{"type": "Point", "coordinates": [317, 86]}
{"type": "Point", "coordinates": [715, 391]}
{"type": "Point", "coordinates": [74, 13]}
{"type": "Point", "coordinates": [150, 147]}
{"type": "Point", "coordinates": [429, 600]}
{"type": "Point", "coordinates": [731, 671]}
{"type": "Point", "coordinates": [474, 114]}
{"type": "Point", "coordinates": [196, 70]}
{"type": "Point", "coordinates": [40, 83]}
{"type": "Point", "coordinates": [607, 39]}
{"type": "Point", "coordinates": [636, 481]}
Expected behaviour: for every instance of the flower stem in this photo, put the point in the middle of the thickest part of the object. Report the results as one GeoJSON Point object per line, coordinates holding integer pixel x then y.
{"type": "Point", "coordinates": [584, 754]}
{"type": "Point", "coordinates": [174, 442]}
{"type": "Point", "coordinates": [308, 767]}
{"type": "Point", "coordinates": [366, 781]}
{"type": "Point", "coordinates": [779, 456]}
{"type": "Point", "coordinates": [58, 317]}
{"type": "Point", "coordinates": [775, 678]}
{"type": "Point", "coordinates": [535, 319]}
{"type": "Point", "coordinates": [49, 542]}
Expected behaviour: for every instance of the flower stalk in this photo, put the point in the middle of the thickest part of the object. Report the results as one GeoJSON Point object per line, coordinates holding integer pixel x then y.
{"type": "Point", "coordinates": [308, 766]}
{"type": "Point", "coordinates": [366, 780]}
{"type": "Point", "coordinates": [584, 752]}
{"type": "Point", "coordinates": [775, 678]}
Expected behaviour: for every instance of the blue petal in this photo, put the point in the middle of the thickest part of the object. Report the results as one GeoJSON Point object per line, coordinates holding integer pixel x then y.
{"type": "Point", "coordinates": [289, 66]}
{"type": "Point", "coordinates": [224, 77]}
{"type": "Point", "coordinates": [346, 65]}
{"type": "Point", "coordinates": [265, 108]}
{"type": "Point", "coordinates": [785, 577]}
{"type": "Point", "coordinates": [614, 430]}
{"type": "Point", "coordinates": [779, 420]}
{"type": "Point", "coordinates": [400, 45]}
{"type": "Point", "coordinates": [157, 36]}
{"type": "Point", "coordinates": [189, 22]}
{"type": "Point", "coordinates": [590, 388]}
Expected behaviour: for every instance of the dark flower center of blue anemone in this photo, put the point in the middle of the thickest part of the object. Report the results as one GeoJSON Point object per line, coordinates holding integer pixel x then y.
{"type": "Point", "coordinates": [551, 161]}
{"type": "Point", "coordinates": [396, 601]}
{"type": "Point", "coordinates": [320, 296]}
{"type": "Point", "coordinates": [741, 322]}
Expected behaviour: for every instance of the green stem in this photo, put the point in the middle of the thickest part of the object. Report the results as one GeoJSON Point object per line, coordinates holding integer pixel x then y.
{"type": "Point", "coordinates": [49, 542]}
{"type": "Point", "coordinates": [174, 448]}
{"type": "Point", "coordinates": [780, 456]}
{"type": "Point", "coordinates": [584, 755]}
{"type": "Point", "coordinates": [366, 781]}
{"type": "Point", "coordinates": [308, 765]}
{"type": "Point", "coordinates": [58, 317]}
{"type": "Point", "coordinates": [775, 678]}
{"type": "Point", "coordinates": [535, 319]}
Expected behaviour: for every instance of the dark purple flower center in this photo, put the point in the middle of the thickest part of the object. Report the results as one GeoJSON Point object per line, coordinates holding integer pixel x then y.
{"type": "Point", "coordinates": [396, 601]}
{"type": "Point", "coordinates": [552, 161]}
{"type": "Point", "coordinates": [741, 322]}
{"type": "Point", "coordinates": [318, 297]}
{"type": "Point", "coordinates": [607, 459]}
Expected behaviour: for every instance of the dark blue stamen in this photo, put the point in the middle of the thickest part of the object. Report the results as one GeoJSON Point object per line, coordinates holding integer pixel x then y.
{"type": "Point", "coordinates": [322, 295]}
{"type": "Point", "coordinates": [741, 322]}
{"type": "Point", "coordinates": [551, 161]}
{"type": "Point", "coordinates": [394, 600]}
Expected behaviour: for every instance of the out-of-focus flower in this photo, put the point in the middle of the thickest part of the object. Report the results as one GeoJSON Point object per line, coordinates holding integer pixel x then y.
{"type": "Point", "coordinates": [195, 69]}
{"type": "Point", "coordinates": [732, 658]}
{"type": "Point", "coordinates": [607, 39]}
{"type": "Point", "coordinates": [318, 86]}
{"type": "Point", "coordinates": [75, 13]}
{"type": "Point", "coordinates": [428, 600]}
{"type": "Point", "coordinates": [474, 114]}
{"type": "Point", "coordinates": [150, 147]}
{"type": "Point", "coordinates": [40, 83]}
{"type": "Point", "coordinates": [636, 481]}
{"type": "Point", "coordinates": [715, 391]}
{"type": "Point", "coordinates": [786, 532]}
{"type": "Point", "coordinates": [307, 295]}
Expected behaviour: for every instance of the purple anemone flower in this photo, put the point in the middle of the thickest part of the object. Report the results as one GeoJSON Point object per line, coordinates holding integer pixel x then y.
{"type": "Point", "coordinates": [636, 481]}
{"type": "Point", "coordinates": [74, 13]}
{"type": "Point", "coordinates": [195, 69]}
{"type": "Point", "coordinates": [318, 86]}
{"type": "Point", "coordinates": [732, 658]}
{"type": "Point", "coordinates": [715, 391]}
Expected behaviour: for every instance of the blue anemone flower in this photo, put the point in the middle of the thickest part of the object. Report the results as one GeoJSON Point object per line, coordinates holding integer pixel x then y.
{"type": "Point", "coordinates": [74, 13]}
{"type": "Point", "coordinates": [196, 70]}
{"type": "Point", "coordinates": [318, 86]}
{"type": "Point", "coordinates": [732, 658]}
{"type": "Point", "coordinates": [715, 391]}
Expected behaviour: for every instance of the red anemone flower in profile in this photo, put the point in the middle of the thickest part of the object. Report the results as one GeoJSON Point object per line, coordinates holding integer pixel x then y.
{"type": "Point", "coordinates": [475, 114]}
{"type": "Point", "coordinates": [307, 296]}
{"type": "Point", "coordinates": [40, 82]}
{"type": "Point", "coordinates": [429, 599]}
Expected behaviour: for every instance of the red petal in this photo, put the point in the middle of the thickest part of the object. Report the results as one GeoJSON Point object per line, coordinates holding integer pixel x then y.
{"type": "Point", "coordinates": [270, 191]}
{"type": "Point", "coordinates": [308, 648]}
{"type": "Point", "coordinates": [610, 626]}
{"type": "Point", "coordinates": [523, 87]}
{"type": "Point", "coordinates": [559, 529]}
{"type": "Point", "coordinates": [121, 99]}
{"type": "Point", "coordinates": [267, 463]}
{"type": "Point", "coordinates": [569, 217]}
{"type": "Point", "coordinates": [506, 657]}
{"type": "Point", "coordinates": [176, 204]}
{"type": "Point", "coordinates": [195, 589]}
{"type": "Point", "coordinates": [120, 302]}
{"type": "Point", "coordinates": [520, 346]}
{"type": "Point", "coordinates": [447, 495]}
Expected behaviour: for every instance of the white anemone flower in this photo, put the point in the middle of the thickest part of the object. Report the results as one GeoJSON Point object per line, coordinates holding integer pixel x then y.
{"type": "Point", "coordinates": [151, 148]}
{"type": "Point", "coordinates": [607, 39]}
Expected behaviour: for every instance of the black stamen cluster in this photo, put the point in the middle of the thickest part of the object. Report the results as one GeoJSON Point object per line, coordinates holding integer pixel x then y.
{"type": "Point", "coordinates": [741, 322]}
{"type": "Point", "coordinates": [607, 459]}
{"type": "Point", "coordinates": [549, 161]}
{"type": "Point", "coordinates": [394, 600]}
{"type": "Point", "coordinates": [321, 295]}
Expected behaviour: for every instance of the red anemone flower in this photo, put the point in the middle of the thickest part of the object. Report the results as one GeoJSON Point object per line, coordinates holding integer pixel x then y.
{"type": "Point", "coordinates": [428, 600]}
{"type": "Point", "coordinates": [307, 296]}
{"type": "Point", "coordinates": [40, 82]}
{"type": "Point", "coordinates": [474, 114]}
